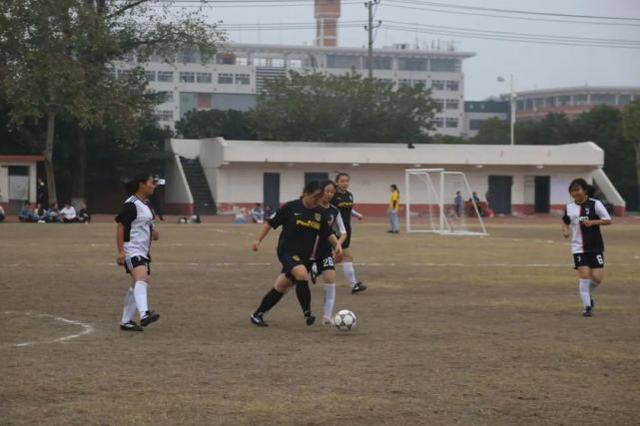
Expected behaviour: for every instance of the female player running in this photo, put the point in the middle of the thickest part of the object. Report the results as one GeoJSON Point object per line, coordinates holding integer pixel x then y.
{"type": "Point", "coordinates": [343, 200]}
{"type": "Point", "coordinates": [323, 255]}
{"type": "Point", "coordinates": [303, 222]}
{"type": "Point", "coordinates": [134, 233]}
{"type": "Point", "coordinates": [581, 221]}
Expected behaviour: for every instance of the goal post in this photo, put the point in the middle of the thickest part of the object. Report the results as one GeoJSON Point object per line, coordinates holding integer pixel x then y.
{"type": "Point", "coordinates": [442, 202]}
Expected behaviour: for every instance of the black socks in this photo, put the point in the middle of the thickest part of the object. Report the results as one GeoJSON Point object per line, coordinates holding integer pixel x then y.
{"type": "Point", "coordinates": [270, 300]}
{"type": "Point", "coordinates": [304, 295]}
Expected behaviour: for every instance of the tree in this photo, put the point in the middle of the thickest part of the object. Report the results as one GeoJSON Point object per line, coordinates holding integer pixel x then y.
{"type": "Point", "coordinates": [492, 131]}
{"type": "Point", "coordinates": [319, 107]}
{"type": "Point", "coordinates": [631, 126]}
{"type": "Point", "coordinates": [230, 124]}
{"type": "Point", "coordinates": [55, 61]}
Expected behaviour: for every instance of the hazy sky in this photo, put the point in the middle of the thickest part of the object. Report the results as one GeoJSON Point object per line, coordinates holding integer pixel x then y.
{"type": "Point", "coordinates": [532, 65]}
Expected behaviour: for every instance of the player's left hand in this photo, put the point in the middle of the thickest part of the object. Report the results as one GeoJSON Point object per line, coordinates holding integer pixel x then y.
{"type": "Point", "coordinates": [155, 235]}
{"type": "Point", "coordinates": [338, 252]}
{"type": "Point", "coordinates": [256, 245]}
{"type": "Point", "coordinates": [588, 223]}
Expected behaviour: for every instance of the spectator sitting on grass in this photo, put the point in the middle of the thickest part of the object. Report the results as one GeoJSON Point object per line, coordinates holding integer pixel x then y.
{"type": "Point", "coordinates": [40, 213]}
{"type": "Point", "coordinates": [27, 214]}
{"type": "Point", "coordinates": [68, 214]}
{"type": "Point", "coordinates": [257, 214]}
{"type": "Point", "coordinates": [83, 214]}
{"type": "Point", "coordinates": [53, 215]}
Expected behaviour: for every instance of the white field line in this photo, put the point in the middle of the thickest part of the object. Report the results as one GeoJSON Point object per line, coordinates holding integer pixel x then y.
{"type": "Point", "coordinates": [86, 329]}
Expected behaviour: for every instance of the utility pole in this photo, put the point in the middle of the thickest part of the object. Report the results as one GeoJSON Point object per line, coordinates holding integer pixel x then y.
{"type": "Point", "coordinates": [369, 5]}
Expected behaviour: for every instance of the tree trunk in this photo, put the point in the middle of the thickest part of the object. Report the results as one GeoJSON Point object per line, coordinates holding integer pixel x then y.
{"type": "Point", "coordinates": [48, 158]}
{"type": "Point", "coordinates": [79, 170]}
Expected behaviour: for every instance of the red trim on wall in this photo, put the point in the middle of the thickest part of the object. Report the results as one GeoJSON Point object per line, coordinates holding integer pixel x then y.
{"type": "Point", "coordinates": [22, 158]}
{"type": "Point", "coordinates": [182, 209]}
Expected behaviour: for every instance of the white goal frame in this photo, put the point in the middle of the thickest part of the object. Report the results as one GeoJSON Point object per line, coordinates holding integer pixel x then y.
{"type": "Point", "coordinates": [444, 227]}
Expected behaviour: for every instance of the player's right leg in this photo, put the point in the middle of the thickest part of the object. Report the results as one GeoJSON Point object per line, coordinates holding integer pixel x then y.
{"type": "Point", "coordinates": [129, 311]}
{"type": "Point", "coordinates": [140, 274]}
{"type": "Point", "coordinates": [350, 272]}
{"type": "Point", "coordinates": [300, 274]}
{"type": "Point", "coordinates": [584, 288]}
{"type": "Point", "coordinates": [273, 296]}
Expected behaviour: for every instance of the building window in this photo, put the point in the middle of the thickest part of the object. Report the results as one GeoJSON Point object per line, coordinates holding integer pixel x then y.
{"type": "Point", "coordinates": [603, 99]}
{"type": "Point", "coordinates": [277, 63]}
{"type": "Point", "coordinates": [538, 103]}
{"type": "Point", "coordinates": [188, 57]}
{"type": "Point", "coordinates": [203, 77]}
{"type": "Point", "coordinates": [403, 82]}
{"type": "Point", "coordinates": [163, 115]}
{"type": "Point", "coordinates": [445, 65]}
{"type": "Point", "coordinates": [452, 104]}
{"type": "Point", "coordinates": [295, 63]}
{"type": "Point", "coordinates": [165, 96]}
{"type": "Point", "coordinates": [550, 101]}
{"type": "Point", "coordinates": [528, 104]}
{"type": "Point", "coordinates": [476, 124]}
{"type": "Point", "coordinates": [624, 100]}
{"type": "Point", "coordinates": [242, 60]}
{"type": "Point", "coordinates": [564, 100]}
{"type": "Point", "coordinates": [453, 85]}
{"type": "Point", "coordinates": [580, 100]}
{"type": "Point", "coordinates": [227, 58]}
{"type": "Point", "coordinates": [437, 84]}
{"type": "Point", "coordinates": [439, 104]}
{"type": "Point", "coordinates": [124, 74]}
{"type": "Point", "coordinates": [243, 79]}
{"type": "Point", "coordinates": [343, 61]}
{"type": "Point", "coordinates": [379, 62]}
{"type": "Point", "coordinates": [412, 64]}
{"type": "Point", "coordinates": [422, 83]}
{"type": "Point", "coordinates": [150, 75]}
{"type": "Point", "coordinates": [187, 77]}
{"type": "Point", "coordinates": [452, 123]}
{"type": "Point", "coordinates": [383, 81]}
{"type": "Point", "coordinates": [438, 122]}
{"type": "Point", "coordinates": [260, 62]}
{"type": "Point", "coordinates": [520, 105]}
{"type": "Point", "coordinates": [224, 78]}
{"type": "Point", "coordinates": [165, 76]}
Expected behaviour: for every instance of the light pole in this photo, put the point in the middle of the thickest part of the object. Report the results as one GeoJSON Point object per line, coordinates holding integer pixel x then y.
{"type": "Point", "coordinates": [512, 104]}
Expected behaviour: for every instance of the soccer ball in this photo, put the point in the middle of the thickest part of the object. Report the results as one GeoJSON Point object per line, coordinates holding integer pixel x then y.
{"type": "Point", "coordinates": [345, 320]}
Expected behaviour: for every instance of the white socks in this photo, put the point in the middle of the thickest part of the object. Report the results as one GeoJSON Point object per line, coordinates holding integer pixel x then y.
{"type": "Point", "coordinates": [140, 294]}
{"type": "Point", "coordinates": [585, 291]}
{"type": "Point", "coordinates": [129, 309]}
{"type": "Point", "coordinates": [349, 273]}
{"type": "Point", "coordinates": [329, 300]}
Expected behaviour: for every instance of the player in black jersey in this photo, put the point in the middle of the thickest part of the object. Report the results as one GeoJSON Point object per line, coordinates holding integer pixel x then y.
{"type": "Point", "coordinates": [324, 258]}
{"type": "Point", "coordinates": [303, 222]}
{"type": "Point", "coordinates": [581, 222]}
{"type": "Point", "coordinates": [343, 200]}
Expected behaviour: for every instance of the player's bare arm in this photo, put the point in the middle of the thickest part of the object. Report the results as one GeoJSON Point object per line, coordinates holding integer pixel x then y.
{"type": "Point", "coordinates": [261, 236]}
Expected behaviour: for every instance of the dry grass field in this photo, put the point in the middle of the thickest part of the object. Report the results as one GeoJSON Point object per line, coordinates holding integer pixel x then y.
{"type": "Point", "coordinates": [453, 330]}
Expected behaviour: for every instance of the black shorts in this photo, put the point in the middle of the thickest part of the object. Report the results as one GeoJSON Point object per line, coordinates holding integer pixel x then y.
{"type": "Point", "coordinates": [325, 261]}
{"type": "Point", "coordinates": [290, 261]}
{"type": "Point", "coordinates": [592, 260]}
{"type": "Point", "coordinates": [133, 262]}
{"type": "Point", "coordinates": [347, 241]}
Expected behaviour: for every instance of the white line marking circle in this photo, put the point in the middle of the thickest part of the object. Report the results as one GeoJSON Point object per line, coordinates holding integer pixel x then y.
{"type": "Point", "coordinates": [86, 329]}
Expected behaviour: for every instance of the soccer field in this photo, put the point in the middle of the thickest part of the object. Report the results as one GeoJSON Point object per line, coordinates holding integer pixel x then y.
{"type": "Point", "coordinates": [464, 330]}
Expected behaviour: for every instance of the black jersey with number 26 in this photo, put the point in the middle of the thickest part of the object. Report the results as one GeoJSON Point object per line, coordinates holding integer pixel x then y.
{"type": "Point", "coordinates": [300, 227]}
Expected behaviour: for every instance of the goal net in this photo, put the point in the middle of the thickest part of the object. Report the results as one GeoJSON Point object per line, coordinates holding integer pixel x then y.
{"type": "Point", "coordinates": [441, 202]}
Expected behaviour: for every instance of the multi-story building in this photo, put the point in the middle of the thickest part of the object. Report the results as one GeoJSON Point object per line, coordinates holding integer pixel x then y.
{"type": "Point", "coordinates": [477, 112]}
{"type": "Point", "coordinates": [234, 78]}
{"type": "Point", "coordinates": [572, 101]}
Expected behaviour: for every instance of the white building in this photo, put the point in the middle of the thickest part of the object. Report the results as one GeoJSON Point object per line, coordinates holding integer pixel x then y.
{"type": "Point", "coordinates": [521, 179]}
{"type": "Point", "coordinates": [237, 74]}
{"type": "Point", "coordinates": [18, 180]}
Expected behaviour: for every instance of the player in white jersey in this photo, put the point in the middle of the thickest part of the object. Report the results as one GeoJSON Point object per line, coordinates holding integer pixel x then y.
{"type": "Point", "coordinates": [134, 233]}
{"type": "Point", "coordinates": [581, 223]}
{"type": "Point", "coordinates": [324, 258]}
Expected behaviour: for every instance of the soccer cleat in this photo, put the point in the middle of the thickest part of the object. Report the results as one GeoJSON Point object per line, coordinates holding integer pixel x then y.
{"type": "Point", "coordinates": [309, 318]}
{"type": "Point", "coordinates": [587, 312]}
{"type": "Point", "coordinates": [258, 320]}
{"type": "Point", "coordinates": [130, 326]}
{"type": "Point", "coordinates": [314, 272]}
{"type": "Point", "coordinates": [151, 316]}
{"type": "Point", "coordinates": [358, 288]}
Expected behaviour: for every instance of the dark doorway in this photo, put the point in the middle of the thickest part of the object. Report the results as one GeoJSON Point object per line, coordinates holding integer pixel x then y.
{"type": "Point", "coordinates": [271, 190]}
{"type": "Point", "coordinates": [319, 176]}
{"type": "Point", "coordinates": [543, 191]}
{"type": "Point", "coordinates": [499, 196]}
